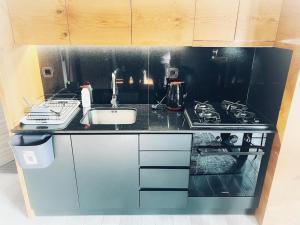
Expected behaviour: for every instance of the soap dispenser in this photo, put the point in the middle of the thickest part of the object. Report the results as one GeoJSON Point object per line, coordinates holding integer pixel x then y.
{"type": "Point", "coordinates": [86, 95]}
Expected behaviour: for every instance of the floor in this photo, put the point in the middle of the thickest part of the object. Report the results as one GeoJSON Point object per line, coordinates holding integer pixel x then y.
{"type": "Point", "coordinates": [12, 211]}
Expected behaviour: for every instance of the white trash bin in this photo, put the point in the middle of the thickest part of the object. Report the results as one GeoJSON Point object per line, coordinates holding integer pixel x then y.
{"type": "Point", "coordinates": [33, 151]}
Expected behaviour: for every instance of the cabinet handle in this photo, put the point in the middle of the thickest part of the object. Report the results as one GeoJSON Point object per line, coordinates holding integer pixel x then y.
{"type": "Point", "coordinates": [204, 153]}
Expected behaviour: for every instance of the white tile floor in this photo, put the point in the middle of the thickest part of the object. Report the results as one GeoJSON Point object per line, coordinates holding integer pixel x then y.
{"type": "Point", "coordinates": [12, 212]}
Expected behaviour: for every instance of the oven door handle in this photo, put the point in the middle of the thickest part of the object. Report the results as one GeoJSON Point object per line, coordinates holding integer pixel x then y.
{"type": "Point", "coordinates": [205, 153]}
{"type": "Point", "coordinates": [225, 146]}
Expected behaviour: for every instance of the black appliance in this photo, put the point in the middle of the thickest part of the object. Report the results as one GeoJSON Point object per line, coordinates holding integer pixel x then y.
{"type": "Point", "coordinates": [231, 147]}
{"type": "Point", "coordinates": [227, 115]}
{"type": "Point", "coordinates": [175, 95]}
{"type": "Point", "coordinates": [226, 164]}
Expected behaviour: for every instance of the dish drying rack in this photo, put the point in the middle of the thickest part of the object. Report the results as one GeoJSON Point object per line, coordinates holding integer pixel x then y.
{"type": "Point", "coordinates": [51, 112]}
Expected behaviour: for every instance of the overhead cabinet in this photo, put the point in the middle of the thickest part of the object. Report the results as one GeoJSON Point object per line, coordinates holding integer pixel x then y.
{"type": "Point", "coordinates": [167, 22]}
{"type": "Point", "coordinates": [39, 22]}
{"type": "Point", "coordinates": [100, 22]}
{"type": "Point", "coordinates": [239, 20]}
{"type": "Point", "coordinates": [143, 22]}
{"type": "Point", "coordinates": [215, 20]}
{"type": "Point", "coordinates": [258, 20]}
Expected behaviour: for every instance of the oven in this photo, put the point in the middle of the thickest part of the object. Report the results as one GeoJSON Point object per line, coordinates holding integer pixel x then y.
{"type": "Point", "coordinates": [228, 164]}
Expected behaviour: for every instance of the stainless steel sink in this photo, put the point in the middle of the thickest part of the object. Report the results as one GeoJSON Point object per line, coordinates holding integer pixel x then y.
{"type": "Point", "coordinates": [121, 115]}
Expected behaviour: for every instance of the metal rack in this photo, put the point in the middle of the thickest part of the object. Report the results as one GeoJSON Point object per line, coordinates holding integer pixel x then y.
{"type": "Point", "coordinates": [54, 110]}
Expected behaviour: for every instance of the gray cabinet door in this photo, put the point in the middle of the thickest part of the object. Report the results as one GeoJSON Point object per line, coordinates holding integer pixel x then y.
{"type": "Point", "coordinates": [53, 189]}
{"type": "Point", "coordinates": [165, 158]}
{"type": "Point", "coordinates": [163, 199]}
{"type": "Point", "coordinates": [180, 142]}
{"type": "Point", "coordinates": [107, 171]}
{"type": "Point", "coordinates": [164, 178]}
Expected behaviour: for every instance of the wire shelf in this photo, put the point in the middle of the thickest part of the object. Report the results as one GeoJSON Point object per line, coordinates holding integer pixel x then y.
{"type": "Point", "coordinates": [52, 109]}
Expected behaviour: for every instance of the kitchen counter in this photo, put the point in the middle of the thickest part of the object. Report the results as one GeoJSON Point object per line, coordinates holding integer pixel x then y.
{"type": "Point", "coordinates": [147, 121]}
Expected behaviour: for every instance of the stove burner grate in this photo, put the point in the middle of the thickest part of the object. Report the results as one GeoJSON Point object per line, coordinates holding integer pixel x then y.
{"type": "Point", "coordinates": [245, 117]}
{"type": "Point", "coordinates": [225, 113]}
{"type": "Point", "coordinates": [200, 106]}
{"type": "Point", "coordinates": [206, 113]}
{"type": "Point", "coordinates": [209, 117]}
{"type": "Point", "coordinates": [233, 106]}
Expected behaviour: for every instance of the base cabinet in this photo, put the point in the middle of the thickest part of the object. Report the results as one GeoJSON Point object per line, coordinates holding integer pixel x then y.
{"type": "Point", "coordinates": [101, 174]}
{"type": "Point", "coordinates": [54, 188]}
{"type": "Point", "coordinates": [107, 171]}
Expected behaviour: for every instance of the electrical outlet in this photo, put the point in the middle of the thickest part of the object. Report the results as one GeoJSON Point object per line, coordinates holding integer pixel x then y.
{"type": "Point", "coordinates": [47, 71]}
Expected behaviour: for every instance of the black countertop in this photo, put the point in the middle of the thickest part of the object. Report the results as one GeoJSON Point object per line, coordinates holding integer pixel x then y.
{"type": "Point", "coordinates": [147, 121]}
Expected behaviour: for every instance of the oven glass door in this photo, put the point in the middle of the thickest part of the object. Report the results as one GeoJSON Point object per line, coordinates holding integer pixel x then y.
{"type": "Point", "coordinates": [225, 164]}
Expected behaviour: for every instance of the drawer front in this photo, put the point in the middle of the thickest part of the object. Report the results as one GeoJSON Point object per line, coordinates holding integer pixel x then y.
{"type": "Point", "coordinates": [164, 158]}
{"type": "Point", "coordinates": [164, 178]}
{"type": "Point", "coordinates": [165, 142]}
{"type": "Point", "coordinates": [163, 199]}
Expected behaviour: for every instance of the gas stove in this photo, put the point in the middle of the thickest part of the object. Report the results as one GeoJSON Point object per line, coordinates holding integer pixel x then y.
{"type": "Point", "coordinates": [226, 114]}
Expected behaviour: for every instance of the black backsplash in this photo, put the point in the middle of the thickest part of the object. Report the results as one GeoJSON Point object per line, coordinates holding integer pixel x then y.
{"type": "Point", "coordinates": [97, 64]}
{"type": "Point", "coordinates": [227, 76]}
{"type": "Point", "coordinates": [253, 75]}
{"type": "Point", "coordinates": [269, 75]}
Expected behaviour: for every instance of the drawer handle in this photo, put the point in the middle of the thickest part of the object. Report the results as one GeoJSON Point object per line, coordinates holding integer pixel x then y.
{"type": "Point", "coordinates": [163, 189]}
{"type": "Point", "coordinates": [164, 167]}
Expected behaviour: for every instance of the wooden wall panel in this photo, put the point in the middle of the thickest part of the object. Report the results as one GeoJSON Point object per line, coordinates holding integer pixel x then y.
{"type": "Point", "coordinates": [258, 20]}
{"type": "Point", "coordinates": [215, 19]}
{"type": "Point", "coordinates": [280, 136]}
{"type": "Point", "coordinates": [39, 22]}
{"type": "Point", "coordinates": [19, 76]}
{"type": "Point", "coordinates": [289, 25]}
{"type": "Point", "coordinates": [6, 154]}
{"type": "Point", "coordinates": [284, 198]}
{"type": "Point", "coordinates": [6, 41]}
{"type": "Point", "coordinates": [104, 22]}
{"type": "Point", "coordinates": [288, 36]}
{"type": "Point", "coordinates": [289, 92]}
{"type": "Point", "coordinates": [167, 22]}
{"type": "Point", "coordinates": [6, 38]}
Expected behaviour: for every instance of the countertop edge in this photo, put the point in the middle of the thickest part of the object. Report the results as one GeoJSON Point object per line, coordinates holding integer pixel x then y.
{"type": "Point", "coordinates": [148, 122]}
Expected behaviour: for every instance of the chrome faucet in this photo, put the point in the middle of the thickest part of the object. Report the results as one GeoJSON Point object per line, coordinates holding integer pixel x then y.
{"type": "Point", "coordinates": [113, 101]}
